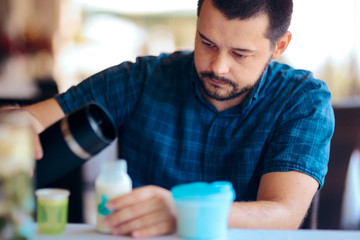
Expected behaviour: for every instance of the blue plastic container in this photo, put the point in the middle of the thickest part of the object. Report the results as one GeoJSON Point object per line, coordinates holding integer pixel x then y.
{"type": "Point", "coordinates": [203, 209]}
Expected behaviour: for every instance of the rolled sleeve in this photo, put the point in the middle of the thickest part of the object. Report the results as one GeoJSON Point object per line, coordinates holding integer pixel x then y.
{"type": "Point", "coordinates": [301, 141]}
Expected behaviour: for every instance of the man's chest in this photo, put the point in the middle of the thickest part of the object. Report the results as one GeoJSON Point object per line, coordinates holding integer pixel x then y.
{"type": "Point", "coordinates": [167, 146]}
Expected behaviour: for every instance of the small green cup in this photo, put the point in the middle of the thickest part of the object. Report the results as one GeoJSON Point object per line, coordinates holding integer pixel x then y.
{"type": "Point", "coordinates": [52, 210]}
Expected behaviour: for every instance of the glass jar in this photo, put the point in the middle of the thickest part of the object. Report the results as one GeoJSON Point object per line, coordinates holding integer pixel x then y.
{"type": "Point", "coordinates": [16, 168]}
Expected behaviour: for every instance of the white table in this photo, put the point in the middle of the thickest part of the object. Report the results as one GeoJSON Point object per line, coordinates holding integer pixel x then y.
{"type": "Point", "coordinates": [87, 232]}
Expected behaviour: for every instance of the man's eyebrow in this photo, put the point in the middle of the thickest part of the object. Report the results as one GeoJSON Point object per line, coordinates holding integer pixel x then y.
{"type": "Point", "coordinates": [205, 38]}
{"type": "Point", "coordinates": [236, 49]}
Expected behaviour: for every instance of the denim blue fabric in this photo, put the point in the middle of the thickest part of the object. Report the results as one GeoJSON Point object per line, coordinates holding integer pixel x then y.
{"type": "Point", "coordinates": [170, 134]}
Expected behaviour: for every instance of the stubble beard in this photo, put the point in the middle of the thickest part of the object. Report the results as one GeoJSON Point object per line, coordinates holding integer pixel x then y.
{"type": "Point", "coordinates": [235, 90]}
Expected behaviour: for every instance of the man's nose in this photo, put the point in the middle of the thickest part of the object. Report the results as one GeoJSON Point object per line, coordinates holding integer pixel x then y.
{"type": "Point", "coordinates": [220, 64]}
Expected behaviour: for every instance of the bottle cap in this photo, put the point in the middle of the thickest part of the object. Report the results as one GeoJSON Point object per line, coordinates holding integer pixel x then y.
{"type": "Point", "coordinates": [118, 165]}
{"type": "Point", "coordinates": [202, 191]}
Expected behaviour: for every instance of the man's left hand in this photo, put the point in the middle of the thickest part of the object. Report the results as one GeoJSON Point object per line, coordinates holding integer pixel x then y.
{"type": "Point", "coordinates": [145, 212]}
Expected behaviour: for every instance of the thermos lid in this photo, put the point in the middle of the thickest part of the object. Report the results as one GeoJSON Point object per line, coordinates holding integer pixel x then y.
{"type": "Point", "coordinates": [88, 130]}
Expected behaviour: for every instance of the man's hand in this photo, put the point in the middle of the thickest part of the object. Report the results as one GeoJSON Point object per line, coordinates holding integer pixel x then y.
{"type": "Point", "coordinates": [42, 116]}
{"type": "Point", "coordinates": [145, 212]}
{"type": "Point", "coordinates": [35, 125]}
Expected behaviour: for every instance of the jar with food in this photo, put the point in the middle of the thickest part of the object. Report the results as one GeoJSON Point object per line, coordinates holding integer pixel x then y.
{"type": "Point", "coordinates": [16, 169]}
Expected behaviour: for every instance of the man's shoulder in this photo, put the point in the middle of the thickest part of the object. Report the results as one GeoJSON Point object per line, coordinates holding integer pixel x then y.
{"type": "Point", "coordinates": [284, 76]}
{"type": "Point", "coordinates": [284, 71]}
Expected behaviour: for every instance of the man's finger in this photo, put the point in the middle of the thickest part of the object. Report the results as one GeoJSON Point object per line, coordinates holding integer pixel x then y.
{"type": "Point", "coordinates": [145, 221]}
{"type": "Point", "coordinates": [155, 230]}
{"type": "Point", "coordinates": [135, 211]}
{"type": "Point", "coordinates": [38, 148]}
{"type": "Point", "coordinates": [137, 195]}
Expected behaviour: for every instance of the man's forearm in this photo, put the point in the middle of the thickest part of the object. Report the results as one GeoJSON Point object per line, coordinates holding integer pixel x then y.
{"type": "Point", "coordinates": [283, 199]}
{"type": "Point", "coordinates": [46, 113]}
{"type": "Point", "coordinates": [264, 215]}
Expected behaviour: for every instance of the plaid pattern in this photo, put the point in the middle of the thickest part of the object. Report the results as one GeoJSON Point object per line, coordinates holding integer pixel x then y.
{"type": "Point", "coordinates": [170, 134]}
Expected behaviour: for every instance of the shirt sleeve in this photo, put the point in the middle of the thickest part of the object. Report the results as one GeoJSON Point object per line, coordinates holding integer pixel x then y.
{"type": "Point", "coordinates": [301, 137]}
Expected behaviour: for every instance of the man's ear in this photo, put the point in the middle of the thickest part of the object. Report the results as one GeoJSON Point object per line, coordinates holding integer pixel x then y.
{"type": "Point", "coordinates": [281, 45]}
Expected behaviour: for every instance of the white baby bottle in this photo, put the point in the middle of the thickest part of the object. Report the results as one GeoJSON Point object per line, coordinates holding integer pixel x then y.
{"type": "Point", "coordinates": [112, 182]}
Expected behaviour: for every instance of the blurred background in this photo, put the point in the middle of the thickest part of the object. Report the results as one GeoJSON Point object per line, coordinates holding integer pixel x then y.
{"type": "Point", "coordinates": [68, 40]}
{"type": "Point", "coordinates": [48, 46]}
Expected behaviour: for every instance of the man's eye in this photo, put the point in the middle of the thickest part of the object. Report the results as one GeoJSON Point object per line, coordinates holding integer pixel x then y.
{"type": "Point", "coordinates": [208, 44]}
{"type": "Point", "coordinates": [238, 55]}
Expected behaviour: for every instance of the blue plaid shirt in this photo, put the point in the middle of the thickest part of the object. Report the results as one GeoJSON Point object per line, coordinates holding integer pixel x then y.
{"type": "Point", "coordinates": [169, 134]}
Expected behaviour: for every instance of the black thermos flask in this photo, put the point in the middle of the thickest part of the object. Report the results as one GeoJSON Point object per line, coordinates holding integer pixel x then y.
{"type": "Point", "coordinates": [68, 143]}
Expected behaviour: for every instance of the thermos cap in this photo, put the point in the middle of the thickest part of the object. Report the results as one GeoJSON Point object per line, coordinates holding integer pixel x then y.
{"type": "Point", "coordinates": [88, 130]}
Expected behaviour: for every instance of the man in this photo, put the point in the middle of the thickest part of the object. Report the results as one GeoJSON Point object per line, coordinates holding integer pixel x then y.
{"type": "Point", "coordinates": [226, 111]}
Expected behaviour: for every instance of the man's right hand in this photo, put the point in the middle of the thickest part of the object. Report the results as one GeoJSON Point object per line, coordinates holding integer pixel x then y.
{"type": "Point", "coordinates": [42, 115]}
{"type": "Point", "coordinates": [35, 125]}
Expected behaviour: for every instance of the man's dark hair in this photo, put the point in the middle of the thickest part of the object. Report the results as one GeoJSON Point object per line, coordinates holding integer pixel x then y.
{"type": "Point", "coordinates": [278, 11]}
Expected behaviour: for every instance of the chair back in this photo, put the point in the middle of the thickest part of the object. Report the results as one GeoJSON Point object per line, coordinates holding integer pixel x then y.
{"type": "Point", "coordinates": [344, 141]}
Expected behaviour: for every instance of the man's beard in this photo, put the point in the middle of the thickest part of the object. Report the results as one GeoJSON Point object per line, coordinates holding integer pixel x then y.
{"type": "Point", "coordinates": [236, 90]}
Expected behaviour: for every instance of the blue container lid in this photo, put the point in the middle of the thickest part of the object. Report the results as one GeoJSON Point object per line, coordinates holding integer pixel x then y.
{"type": "Point", "coordinates": [202, 191]}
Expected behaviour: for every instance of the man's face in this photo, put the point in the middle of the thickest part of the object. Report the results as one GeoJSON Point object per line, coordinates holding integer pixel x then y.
{"type": "Point", "coordinates": [230, 55]}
